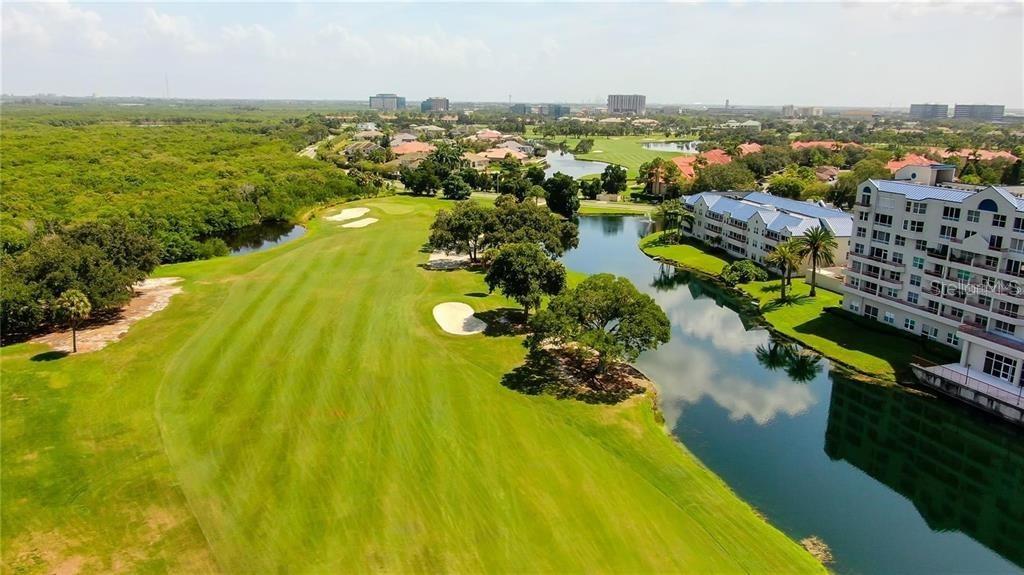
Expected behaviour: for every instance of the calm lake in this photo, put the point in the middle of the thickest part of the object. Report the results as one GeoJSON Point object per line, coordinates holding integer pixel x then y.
{"type": "Point", "coordinates": [261, 237]}
{"type": "Point", "coordinates": [685, 147]}
{"type": "Point", "coordinates": [891, 481]}
{"type": "Point", "coordinates": [569, 165]}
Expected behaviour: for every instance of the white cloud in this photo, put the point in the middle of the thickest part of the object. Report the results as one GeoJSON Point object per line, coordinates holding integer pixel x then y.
{"type": "Point", "coordinates": [265, 39]}
{"type": "Point", "coordinates": [177, 29]}
{"type": "Point", "coordinates": [43, 24]}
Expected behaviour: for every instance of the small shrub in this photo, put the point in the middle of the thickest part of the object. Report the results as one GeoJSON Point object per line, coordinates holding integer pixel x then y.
{"type": "Point", "coordinates": [743, 271]}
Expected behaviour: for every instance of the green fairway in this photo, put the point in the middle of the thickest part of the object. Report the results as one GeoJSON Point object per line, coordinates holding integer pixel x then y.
{"type": "Point", "coordinates": [626, 151]}
{"type": "Point", "coordinates": [299, 409]}
{"type": "Point", "coordinates": [688, 254]}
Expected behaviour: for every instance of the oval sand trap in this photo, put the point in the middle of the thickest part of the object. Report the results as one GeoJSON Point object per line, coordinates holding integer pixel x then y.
{"type": "Point", "coordinates": [348, 214]}
{"type": "Point", "coordinates": [360, 223]}
{"type": "Point", "coordinates": [457, 318]}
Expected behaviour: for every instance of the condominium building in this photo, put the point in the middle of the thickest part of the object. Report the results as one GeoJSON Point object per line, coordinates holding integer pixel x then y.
{"type": "Point", "coordinates": [629, 104]}
{"type": "Point", "coordinates": [946, 264]}
{"type": "Point", "coordinates": [387, 102]}
{"type": "Point", "coordinates": [434, 105]}
{"type": "Point", "coordinates": [929, 111]}
{"type": "Point", "coordinates": [982, 112]}
{"type": "Point", "coordinates": [750, 225]}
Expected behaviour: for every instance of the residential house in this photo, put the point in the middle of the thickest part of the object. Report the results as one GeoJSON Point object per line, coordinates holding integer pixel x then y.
{"type": "Point", "coordinates": [413, 148]}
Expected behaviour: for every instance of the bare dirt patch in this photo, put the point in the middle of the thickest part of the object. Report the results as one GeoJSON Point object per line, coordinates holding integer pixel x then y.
{"type": "Point", "coordinates": [348, 214]}
{"type": "Point", "coordinates": [457, 318]}
{"type": "Point", "coordinates": [360, 223]}
{"type": "Point", "coordinates": [151, 296]}
{"type": "Point", "coordinates": [817, 547]}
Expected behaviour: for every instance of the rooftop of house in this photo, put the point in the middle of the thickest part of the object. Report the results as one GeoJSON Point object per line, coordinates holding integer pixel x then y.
{"type": "Point", "coordinates": [910, 160]}
{"type": "Point", "coordinates": [778, 214]}
{"type": "Point", "coordinates": [749, 148]}
{"type": "Point", "coordinates": [501, 153]}
{"type": "Point", "coordinates": [412, 148]}
{"type": "Point", "coordinates": [687, 164]}
{"type": "Point", "coordinates": [920, 192]}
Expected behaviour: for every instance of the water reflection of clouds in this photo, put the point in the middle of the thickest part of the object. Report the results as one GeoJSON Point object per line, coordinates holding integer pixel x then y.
{"type": "Point", "coordinates": [685, 374]}
{"type": "Point", "coordinates": [718, 325]}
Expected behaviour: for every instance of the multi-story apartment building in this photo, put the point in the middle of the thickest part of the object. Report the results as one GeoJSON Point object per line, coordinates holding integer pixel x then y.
{"type": "Point", "coordinates": [983, 112]}
{"type": "Point", "coordinates": [629, 104]}
{"type": "Point", "coordinates": [947, 264]}
{"type": "Point", "coordinates": [929, 111]}
{"type": "Point", "coordinates": [387, 102]}
{"type": "Point", "coordinates": [751, 225]}
{"type": "Point", "coordinates": [434, 104]}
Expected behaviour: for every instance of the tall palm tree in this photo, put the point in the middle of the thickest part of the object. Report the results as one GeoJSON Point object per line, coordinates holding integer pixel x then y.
{"type": "Point", "coordinates": [819, 245]}
{"type": "Point", "coordinates": [786, 258]}
{"type": "Point", "coordinates": [73, 307]}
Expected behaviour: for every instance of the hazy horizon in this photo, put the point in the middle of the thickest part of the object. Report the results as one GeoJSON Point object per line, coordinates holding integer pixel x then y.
{"type": "Point", "coordinates": [829, 55]}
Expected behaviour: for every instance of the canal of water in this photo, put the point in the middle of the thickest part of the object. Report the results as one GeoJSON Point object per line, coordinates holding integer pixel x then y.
{"type": "Point", "coordinates": [893, 482]}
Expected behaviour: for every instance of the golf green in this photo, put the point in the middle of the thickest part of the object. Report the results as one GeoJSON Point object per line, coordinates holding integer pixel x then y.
{"type": "Point", "coordinates": [299, 409]}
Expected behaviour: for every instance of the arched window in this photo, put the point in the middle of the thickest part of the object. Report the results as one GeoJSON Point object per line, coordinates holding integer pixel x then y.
{"type": "Point", "coordinates": [867, 189]}
{"type": "Point", "coordinates": [988, 205]}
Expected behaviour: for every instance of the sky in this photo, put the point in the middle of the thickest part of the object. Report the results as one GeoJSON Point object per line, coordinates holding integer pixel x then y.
{"type": "Point", "coordinates": [825, 54]}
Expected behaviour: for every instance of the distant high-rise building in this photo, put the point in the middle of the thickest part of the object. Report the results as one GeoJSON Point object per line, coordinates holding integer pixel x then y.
{"type": "Point", "coordinates": [928, 111]}
{"type": "Point", "coordinates": [554, 110]}
{"type": "Point", "coordinates": [435, 104]}
{"type": "Point", "coordinates": [519, 108]}
{"type": "Point", "coordinates": [631, 104]}
{"type": "Point", "coordinates": [789, 111]}
{"type": "Point", "coordinates": [983, 112]}
{"type": "Point", "coordinates": [387, 102]}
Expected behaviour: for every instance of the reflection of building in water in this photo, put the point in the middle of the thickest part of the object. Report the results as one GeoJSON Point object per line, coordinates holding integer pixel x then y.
{"type": "Point", "coordinates": [960, 473]}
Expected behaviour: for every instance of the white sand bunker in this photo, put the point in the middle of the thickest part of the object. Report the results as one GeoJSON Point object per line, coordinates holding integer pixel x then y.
{"type": "Point", "coordinates": [348, 214]}
{"type": "Point", "coordinates": [458, 319]}
{"type": "Point", "coordinates": [360, 223]}
{"type": "Point", "coordinates": [151, 296]}
{"type": "Point", "coordinates": [447, 260]}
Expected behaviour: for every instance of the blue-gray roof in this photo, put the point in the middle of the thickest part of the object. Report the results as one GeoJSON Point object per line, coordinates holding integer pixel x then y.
{"type": "Point", "coordinates": [779, 214]}
{"type": "Point", "coordinates": [795, 206]}
{"type": "Point", "coordinates": [919, 192]}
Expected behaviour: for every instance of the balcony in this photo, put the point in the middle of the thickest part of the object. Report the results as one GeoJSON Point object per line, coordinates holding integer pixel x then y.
{"type": "Point", "coordinates": [737, 225]}
{"type": "Point", "coordinates": [875, 275]}
{"type": "Point", "coordinates": [890, 263]}
{"type": "Point", "coordinates": [934, 273]}
{"type": "Point", "coordinates": [974, 387]}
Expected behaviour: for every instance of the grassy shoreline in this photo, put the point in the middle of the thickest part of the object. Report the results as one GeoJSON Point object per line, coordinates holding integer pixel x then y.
{"type": "Point", "coordinates": [299, 406]}
{"type": "Point", "coordinates": [880, 355]}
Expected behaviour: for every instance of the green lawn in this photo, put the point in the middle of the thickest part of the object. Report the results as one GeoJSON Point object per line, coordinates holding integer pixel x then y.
{"type": "Point", "coordinates": [875, 352]}
{"type": "Point", "coordinates": [299, 410]}
{"type": "Point", "coordinates": [688, 255]}
{"type": "Point", "coordinates": [625, 151]}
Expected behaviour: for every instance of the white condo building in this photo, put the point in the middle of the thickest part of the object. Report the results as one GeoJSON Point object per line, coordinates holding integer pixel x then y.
{"type": "Point", "coordinates": [751, 225]}
{"type": "Point", "coordinates": [947, 264]}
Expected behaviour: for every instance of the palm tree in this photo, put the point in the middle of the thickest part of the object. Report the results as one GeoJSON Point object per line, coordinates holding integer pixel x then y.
{"type": "Point", "coordinates": [819, 245]}
{"type": "Point", "coordinates": [785, 257]}
{"type": "Point", "coordinates": [72, 306]}
{"type": "Point", "coordinates": [675, 214]}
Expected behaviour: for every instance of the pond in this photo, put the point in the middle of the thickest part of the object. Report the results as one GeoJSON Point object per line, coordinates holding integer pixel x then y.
{"type": "Point", "coordinates": [685, 147]}
{"type": "Point", "coordinates": [260, 237]}
{"type": "Point", "coordinates": [893, 482]}
{"type": "Point", "coordinates": [570, 166]}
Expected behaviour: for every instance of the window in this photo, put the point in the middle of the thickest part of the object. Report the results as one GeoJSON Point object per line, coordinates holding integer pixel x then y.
{"type": "Point", "coordinates": [917, 207]}
{"type": "Point", "coordinates": [1008, 309]}
{"type": "Point", "coordinates": [901, 241]}
{"type": "Point", "coordinates": [998, 365]}
{"type": "Point", "coordinates": [886, 203]}
{"type": "Point", "coordinates": [909, 324]}
{"type": "Point", "coordinates": [865, 199]}
{"type": "Point", "coordinates": [947, 232]}
{"type": "Point", "coordinates": [1003, 327]}
{"type": "Point", "coordinates": [918, 263]}
{"type": "Point", "coordinates": [915, 280]}
{"type": "Point", "coordinates": [889, 318]}
{"type": "Point", "coordinates": [862, 216]}
{"type": "Point", "coordinates": [995, 242]}
{"type": "Point", "coordinates": [920, 245]}
{"type": "Point", "coordinates": [951, 213]}
{"type": "Point", "coordinates": [984, 300]}
{"type": "Point", "coordinates": [855, 282]}
{"type": "Point", "coordinates": [929, 331]}
{"type": "Point", "coordinates": [1018, 224]}
{"type": "Point", "coordinates": [871, 311]}
{"type": "Point", "coordinates": [963, 275]}
{"type": "Point", "coordinates": [999, 220]}
{"type": "Point", "coordinates": [897, 258]}
{"type": "Point", "coordinates": [915, 226]}
{"type": "Point", "coordinates": [893, 293]}
{"type": "Point", "coordinates": [952, 339]}
{"type": "Point", "coordinates": [858, 248]}
{"type": "Point", "coordinates": [973, 216]}
{"type": "Point", "coordinates": [912, 297]}
{"type": "Point", "coordinates": [861, 232]}
{"type": "Point", "coordinates": [854, 306]}
{"type": "Point", "coordinates": [1017, 245]}
{"type": "Point", "coordinates": [956, 313]}
{"type": "Point", "coordinates": [880, 236]}
{"type": "Point", "coordinates": [883, 220]}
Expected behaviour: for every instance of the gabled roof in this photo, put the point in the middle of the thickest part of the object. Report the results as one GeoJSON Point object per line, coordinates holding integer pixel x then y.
{"type": "Point", "coordinates": [919, 192]}
{"type": "Point", "coordinates": [412, 148]}
{"type": "Point", "coordinates": [909, 160]}
{"type": "Point", "coordinates": [797, 206]}
{"type": "Point", "coordinates": [776, 212]}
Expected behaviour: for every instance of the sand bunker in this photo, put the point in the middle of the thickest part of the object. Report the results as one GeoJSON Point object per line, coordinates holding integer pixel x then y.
{"type": "Point", "coordinates": [360, 223]}
{"type": "Point", "coordinates": [151, 296]}
{"type": "Point", "coordinates": [348, 214]}
{"type": "Point", "coordinates": [447, 260]}
{"type": "Point", "coordinates": [457, 318]}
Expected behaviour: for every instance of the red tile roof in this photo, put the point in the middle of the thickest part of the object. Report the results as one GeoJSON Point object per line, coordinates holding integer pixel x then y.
{"type": "Point", "coordinates": [412, 147]}
{"type": "Point", "coordinates": [687, 164]}
{"type": "Point", "coordinates": [909, 160]}
{"type": "Point", "coordinates": [983, 155]}
{"type": "Point", "coordinates": [501, 153]}
{"type": "Point", "coordinates": [749, 148]}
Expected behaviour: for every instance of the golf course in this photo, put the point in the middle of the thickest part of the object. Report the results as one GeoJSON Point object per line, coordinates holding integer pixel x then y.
{"type": "Point", "coordinates": [300, 409]}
